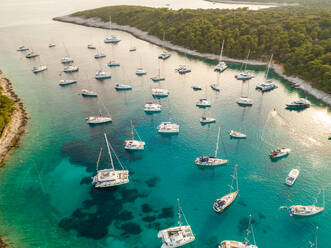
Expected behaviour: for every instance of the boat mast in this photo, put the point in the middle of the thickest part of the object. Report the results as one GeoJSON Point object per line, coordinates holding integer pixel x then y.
{"type": "Point", "coordinates": [249, 230]}
{"type": "Point", "coordinates": [220, 59]}
{"type": "Point", "coordinates": [109, 152]}
{"type": "Point", "coordinates": [269, 65]}
{"type": "Point", "coordinates": [316, 236]}
{"type": "Point", "coordinates": [99, 158]}
{"type": "Point", "coordinates": [249, 51]}
{"type": "Point", "coordinates": [218, 140]}
{"type": "Point", "coordinates": [179, 212]}
{"type": "Point", "coordinates": [132, 134]}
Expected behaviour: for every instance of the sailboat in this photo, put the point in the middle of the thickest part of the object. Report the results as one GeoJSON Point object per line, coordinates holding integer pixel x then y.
{"type": "Point", "coordinates": [112, 39]}
{"type": "Point", "coordinates": [179, 235]}
{"type": "Point", "coordinates": [31, 55]}
{"type": "Point", "coordinates": [110, 177]}
{"type": "Point", "coordinates": [244, 75]}
{"type": "Point", "coordinates": [67, 82]}
{"type": "Point", "coordinates": [158, 77]}
{"type": "Point", "coordinates": [22, 48]}
{"type": "Point", "coordinates": [267, 85]}
{"type": "Point", "coordinates": [66, 59]}
{"type": "Point", "coordinates": [157, 92]}
{"type": "Point", "coordinates": [245, 244]}
{"type": "Point", "coordinates": [151, 107]}
{"type": "Point", "coordinates": [211, 160]}
{"type": "Point", "coordinates": [165, 54]}
{"type": "Point", "coordinates": [132, 144]}
{"type": "Point", "coordinates": [37, 69]}
{"type": "Point", "coordinates": [93, 120]}
{"type": "Point", "coordinates": [91, 46]}
{"type": "Point", "coordinates": [307, 210]}
{"type": "Point", "coordinates": [222, 203]}
{"type": "Point", "coordinates": [237, 135]}
{"type": "Point", "coordinates": [101, 75]}
{"type": "Point", "coordinates": [221, 66]}
{"type": "Point", "coordinates": [99, 55]}
{"type": "Point", "coordinates": [89, 93]}
{"type": "Point", "coordinates": [50, 45]}
{"type": "Point", "coordinates": [70, 69]}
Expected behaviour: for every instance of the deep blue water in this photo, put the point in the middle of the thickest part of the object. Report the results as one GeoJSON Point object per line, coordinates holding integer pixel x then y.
{"type": "Point", "coordinates": [46, 199]}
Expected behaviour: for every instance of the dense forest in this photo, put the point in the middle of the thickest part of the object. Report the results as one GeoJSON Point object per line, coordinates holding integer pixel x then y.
{"type": "Point", "coordinates": [299, 38]}
{"type": "Point", "coordinates": [6, 108]}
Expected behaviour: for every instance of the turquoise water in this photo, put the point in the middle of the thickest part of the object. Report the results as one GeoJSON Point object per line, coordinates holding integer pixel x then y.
{"type": "Point", "coordinates": [46, 199]}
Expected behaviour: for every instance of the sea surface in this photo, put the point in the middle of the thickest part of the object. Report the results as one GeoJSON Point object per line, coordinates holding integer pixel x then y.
{"type": "Point", "coordinates": [46, 196]}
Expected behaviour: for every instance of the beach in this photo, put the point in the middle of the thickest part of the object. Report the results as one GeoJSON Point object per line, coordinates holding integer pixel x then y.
{"type": "Point", "coordinates": [14, 131]}
{"type": "Point", "coordinates": [278, 69]}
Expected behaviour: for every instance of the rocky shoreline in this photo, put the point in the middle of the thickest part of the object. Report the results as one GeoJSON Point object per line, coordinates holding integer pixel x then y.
{"type": "Point", "coordinates": [278, 69]}
{"type": "Point", "coordinates": [15, 129]}
{"type": "Point", "coordinates": [3, 244]}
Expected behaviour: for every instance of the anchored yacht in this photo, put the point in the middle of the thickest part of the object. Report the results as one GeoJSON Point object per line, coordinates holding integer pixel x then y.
{"type": "Point", "coordinates": [179, 235]}
{"type": "Point", "coordinates": [168, 127]}
{"type": "Point", "coordinates": [112, 39]}
{"type": "Point", "coordinates": [195, 87]}
{"type": "Point", "coordinates": [31, 55]}
{"type": "Point", "coordinates": [237, 135]}
{"type": "Point", "coordinates": [244, 76]}
{"type": "Point", "coordinates": [111, 177]}
{"type": "Point", "coordinates": [215, 87]}
{"type": "Point", "coordinates": [50, 45]}
{"type": "Point", "coordinates": [123, 87]}
{"type": "Point", "coordinates": [307, 210]}
{"type": "Point", "coordinates": [67, 82]}
{"type": "Point", "coordinates": [66, 60]}
{"type": "Point", "coordinates": [221, 66]}
{"type": "Point", "coordinates": [244, 102]}
{"type": "Point", "coordinates": [113, 64]}
{"type": "Point", "coordinates": [132, 144]}
{"type": "Point", "coordinates": [156, 92]}
{"type": "Point", "coordinates": [100, 75]}
{"type": "Point", "coordinates": [211, 160]}
{"type": "Point", "coordinates": [98, 120]}
{"type": "Point", "coordinates": [292, 176]}
{"type": "Point", "coordinates": [22, 49]}
{"type": "Point", "coordinates": [203, 103]}
{"type": "Point", "coordinates": [279, 153]}
{"type": "Point", "coordinates": [37, 69]}
{"type": "Point", "coordinates": [164, 55]}
{"type": "Point", "coordinates": [89, 93]}
{"type": "Point", "coordinates": [90, 46]}
{"type": "Point", "coordinates": [266, 86]}
{"type": "Point", "coordinates": [183, 69]}
{"type": "Point", "coordinates": [152, 107]}
{"type": "Point", "coordinates": [207, 120]}
{"type": "Point", "coordinates": [140, 72]}
{"type": "Point", "coordinates": [99, 56]}
{"type": "Point", "coordinates": [70, 68]}
{"type": "Point", "coordinates": [298, 104]}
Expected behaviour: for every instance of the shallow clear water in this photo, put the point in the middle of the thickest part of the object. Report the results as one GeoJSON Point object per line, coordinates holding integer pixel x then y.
{"type": "Point", "coordinates": [46, 199]}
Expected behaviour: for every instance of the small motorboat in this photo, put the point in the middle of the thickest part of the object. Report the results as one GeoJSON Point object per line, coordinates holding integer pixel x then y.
{"type": "Point", "coordinates": [298, 104]}
{"type": "Point", "coordinates": [164, 55]}
{"type": "Point", "coordinates": [38, 69]}
{"type": "Point", "coordinates": [168, 127]}
{"type": "Point", "coordinates": [203, 103]}
{"type": "Point", "coordinates": [196, 88]}
{"type": "Point", "coordinates": [140, 72]}
{"type": "Point", "coordinates": [279, 153]}
{"type": "Point", "coordinates": [132, 49]}
{"type": "Point", "coordinates": [245, 102]}
{"type": "Point", "coordinates": [99, 56]}
{"type": "Point", "coordinates": [113, 64]}
{"type": "Point", "coordinates": [22, 49]}
{"type": "Point", "coordinates": [112, 40]}
{"type": "Point", "coordinates": [183, 69]}
{"type": "Point", "coordinates": [152, 107]}
{"type": "Point", "coordinates": [160, 92]}
{"type": "Point", "coordinates": [266, 86]}
{"type": "Point", "coordinates": [207, 120]}
{"type": "Point", "coordinates": [51, 45]}
{"type": "Point", "coordinates": [66, 60]}
{"type": "Point", "coordinates": [101, 75]}
{"type": "Point", "coordinates": [123, 87]}
{"type": "Point", "coordinates": [98, 119]}
{"type": "Point", "coordinates": [67, 82]}
{"type": "Point", "coordinates": [215, 87]}
{"type": "Point", "coordinates": [244, 76]}
{"type": "Point", "coordinates": [90, 46]}
{"type": "Point", "coordinates": [292, 176]}
{"type": "Point", "coordinates": [237, 135]}
{"type": "Point", "coordinates": [89, 93]}
{"type": "Point", "coordinates": [31, 55]}
{"type": "Point", "coordinates": [70, 68]}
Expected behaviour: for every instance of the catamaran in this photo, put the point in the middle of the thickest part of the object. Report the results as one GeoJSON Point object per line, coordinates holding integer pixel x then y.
{"type": "Point", "coordinates": [70, 69]}
{"type": "Point", "coordinates": [298, 104]}
{"type": "Point", "coordinates": [112, 39]}
{"type": "Point", "coordinates": [37, 69]}
{"type": "Point", "coordinates": [67, 82]}
{"type": "Point", "coordinates": [211, 160]}
{"type": "Point", "coordinates": [237, 135]}
{"type": "Point", "coordinates": [101, 75]}
{"type": "Point", "coordinates": [225, 201]}
{"type": "Point", "coordinates": [267, 85]}
{"type": "Point", "coordinates": [110, 177]}
{"type": "Point", "coordinates": [245, 102]}
{"type": "Point", "coordinates": [156, 92]}
{"type": "Point", "coordinates": [203, 103]}
{"type": "Point", "coordinates": [245, 244]}
{"type": "Point", "coordinates": [66, 60]}
{"type": "Point", "coordinates": [244, 75]}
{"type": "Point", "coordinates": [179, 235]}
{"type": "Point", "coordinates": [168, 127]}
{"type": "Point", "coordinates": [22, 49]}
{"type": "Point", "coordinates": [165, 54]}
{"type": "Point", "coordinates": [89, 93]}
{"type": "Point", "coordinates": [151, 107]}
{"type": "Point", "coordinates": [123, 87]}
{"type": "Point", "coordinates": [221, 66]}
{"type": "Point", "coordinates": [279, 153]}
{"type": "Point", "coordinates": [132, 144]}
{"type": "Point", "coordinates": [183, 69]}
{"type": "Point", "coordinates": [292, 177]}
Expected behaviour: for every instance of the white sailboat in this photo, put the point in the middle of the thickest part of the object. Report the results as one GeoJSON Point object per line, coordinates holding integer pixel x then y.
{"type": "Point", "coordinates": [225, 201]}
{"type": "Point", "coordinates": [244, 75]}
{"type": "Point", "coordinates": [67, 82]}
{"type": "Point", "coordinates": [165, 54]}
{"type": "Point", "coordinates": [132, 144]}
{"type": "Point", "coordinates": [267, 85]}
{"type": "Point", "coordinates": [157, 92]}
{"type": "Point", "coordinates": [101, 119]}
{"type": "Point", "coordinates": [221, 66]}
{"type": "Point", "coordinates": [112, 39]}
{"type": "Point", "coordinates": [245, 244]}
{"type": "Point", "coordinates": [101, 75]}
{"type": "Point", "coordinates": [237, 135]}
{"type": "Point", "coordinates": [179, 235]}
{"type": "Point", "coordinates": [151, 107]}
{"type": "Point", "coordinates": [37, 69]}
{"type": "Point", "coordinates": [168, 127]}
{"type": "Point", "coordinates": [89, 93]}
{"type": "Point", "coordinates": [307, 210]}
{"type": "Point", "coordinates": [22, 48]}
{"type": "Point", "coordinates": [158, 77]}
{"type": "Point", "coordinates": [110, 177]}
{"type": "Point", "coordinates": [123, 87]}
{"type": "Point", "coordinates": [203, 103]}
{"type": "Point", "coordinates": [211, 160]}
{"type": "Point", "coordinates": [70, 69]}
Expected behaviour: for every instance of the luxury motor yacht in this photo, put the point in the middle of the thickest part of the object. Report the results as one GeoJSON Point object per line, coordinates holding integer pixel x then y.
{"type": "Point", "coordinates": [67, 82]}
{"type": "Point", "coordinates": [215, 87]}
{"type": "Point", "coordinates": [89, 93]}
{"type": "Point", "coordinates": [164, 55]}
{"type": "Point", "coordinates": [31, 55]}
{"type": "Point", "coordinates": [237, 135]}
{"type": "Point", "coordinates": [90, 46]}
{"type": "Point", "coordinates": [37, 69]}
{"type": "Point", "coordinates": [110, 177]}
{"type": "Point", "coordinates": [156, 92]}
{"type": "Point", "coordinates": [70, 68]}
{"type": "Point", "coordinates": [22, 49]}
{"type": "Point", "coordinates": [113, 64]}
{"type": "Point", "coordinates": [203, 103]}
{"type": "Point", "coordinates": [298, 104]}
{"type": "Point", "coordinates": [100, 75]}
{"type": "Point", "coordinates": [207, 120]}
{"type": "Point", "coordinates": [179, 235]}
{"type": "Point", "coordinates": [99, 56]}
{"type": "Point", "coordinates": [168, 127]}
{"type": "Point", "coordinates": [66, 60]}
{"type": "Point", "coordinates": [266, 86]}
{"type": "Point", "coordinates": [211, 160]}
{"type": "Point", "coordinates": [123, 87]}
{"type": "Point", "coordinates": [152, 107]}
{"type": "Point", "coordinates": [132, 144]}
{"type": "Point", "coordinates": [140, 72]}
{"type": "Point", "coordinates": [279, 153]}
{"type": "Point", "coordinates": [244, 101]}
{"type": "Point", "coordinates": [182, 69]}
{"type": "Point", "coordinates": [292, 176]}
{"type": "Point", "coordinates": [98, 119]}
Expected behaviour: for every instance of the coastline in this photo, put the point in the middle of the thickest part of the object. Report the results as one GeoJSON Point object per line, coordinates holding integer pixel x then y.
{"type": "Point", "coordinates": [15, 129]}
{"type": "Point", "coordinates": [277, 69]}
{"type": "Point", "coordinates": [3, 244]}
{"type": "Point", "coordinates": [271, 4]}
